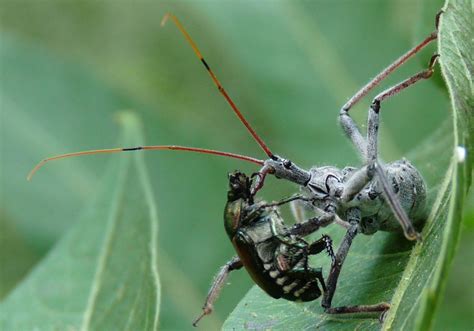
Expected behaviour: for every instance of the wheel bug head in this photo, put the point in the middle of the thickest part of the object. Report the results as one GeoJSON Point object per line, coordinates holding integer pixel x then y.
{"type": "Point", "coordinates": [285, 169]}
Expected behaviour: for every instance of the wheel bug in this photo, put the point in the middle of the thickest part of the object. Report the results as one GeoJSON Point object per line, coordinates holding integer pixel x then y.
{"type": "Point", "coordinates": [374, 197]}
{"type": "Point", "coordinates": [274, 256]}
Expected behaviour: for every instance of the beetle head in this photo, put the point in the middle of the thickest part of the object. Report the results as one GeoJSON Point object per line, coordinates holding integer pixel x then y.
{"type": "Point", "coordinates": [239, 187]}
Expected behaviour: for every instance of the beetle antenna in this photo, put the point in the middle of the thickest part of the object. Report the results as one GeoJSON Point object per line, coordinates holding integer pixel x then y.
{"type": "Point", "coordinates": [218, 84]}
{"type": "Point", "coordinates": [145, 148]}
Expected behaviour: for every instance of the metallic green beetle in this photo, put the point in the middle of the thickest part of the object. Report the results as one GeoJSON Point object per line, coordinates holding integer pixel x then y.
{"type": "Point", "coordinates": [274, 255]}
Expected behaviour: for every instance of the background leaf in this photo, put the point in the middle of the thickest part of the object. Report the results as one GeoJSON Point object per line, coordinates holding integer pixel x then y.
{"type": "Point", "coordinates": [103, 273]}
{"type": "Point", "coordinates": [67, 68]}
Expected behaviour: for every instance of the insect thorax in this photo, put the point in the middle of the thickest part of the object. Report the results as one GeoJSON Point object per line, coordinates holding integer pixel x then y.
{"type": "Point", "coordinates": [406, 182]}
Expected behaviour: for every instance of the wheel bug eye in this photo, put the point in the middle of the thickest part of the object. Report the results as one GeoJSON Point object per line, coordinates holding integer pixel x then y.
{"type": "Point", "coordinates": [287, 164]}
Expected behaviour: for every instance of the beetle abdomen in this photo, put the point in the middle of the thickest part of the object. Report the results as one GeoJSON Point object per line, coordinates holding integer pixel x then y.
{"type": "Point", "coordinates": [261, 262]}
{"type": "Point", "coordinates": [245, 248]}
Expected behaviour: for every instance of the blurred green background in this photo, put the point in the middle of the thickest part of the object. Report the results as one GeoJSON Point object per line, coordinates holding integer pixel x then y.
{"type": "Point", "coordinates": [68, 67]}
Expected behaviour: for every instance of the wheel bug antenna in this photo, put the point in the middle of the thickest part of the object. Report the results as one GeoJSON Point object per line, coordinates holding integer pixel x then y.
{"type": "Point", "coordinates": [146, 148]}
{"type": "Point", "coordinates": [217, 83]}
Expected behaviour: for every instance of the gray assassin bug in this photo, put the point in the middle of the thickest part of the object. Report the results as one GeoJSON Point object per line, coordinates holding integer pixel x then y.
{"type": "Point", "coordinates": [275, 256]}
{"type": "Point", "coordinates": [374, 197]}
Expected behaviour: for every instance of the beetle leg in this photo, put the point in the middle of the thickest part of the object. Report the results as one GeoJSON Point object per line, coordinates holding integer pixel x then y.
{"type": "Point", "coordinates": [307, 274]}
{"type": "Point", "coordinates": [325, 243]}
{"type": "Point", "coordinates": [218, 283]}
{"type": "Point", "coordinates": [285, 239]}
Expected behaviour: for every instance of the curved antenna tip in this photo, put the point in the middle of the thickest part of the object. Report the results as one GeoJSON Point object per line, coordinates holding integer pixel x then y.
{"type": "Point", "coordinates": [34, 170]}
{"type": "Point", "coordinates": [165, 19]}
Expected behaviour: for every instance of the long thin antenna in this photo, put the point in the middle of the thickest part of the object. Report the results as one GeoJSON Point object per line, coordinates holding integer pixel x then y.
{"type": "Point", "coordinates": [218, 84]}
{"type": "Point", "coordinates": [149, 148]}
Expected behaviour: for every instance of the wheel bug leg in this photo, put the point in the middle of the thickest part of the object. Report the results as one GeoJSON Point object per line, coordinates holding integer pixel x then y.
{"type": "Point", "coordinates": [303, 227]}
{"type": "Point", "coordinates": [311, 225]}
{"type": "Point", "coordinates": [346, 121]}
{"type": "Point", "coordinates": [365, 174]}
{"type": "Point", "coordinates": [336, 270]}
{"type": "Point", "coordinates": [358, 181]}
{"type": "Point", "coordinates": [296, 197]}
{"type": "Point", "coordinates": [377, 308]}
{"type": "Point", "coordinates": [217, 284]}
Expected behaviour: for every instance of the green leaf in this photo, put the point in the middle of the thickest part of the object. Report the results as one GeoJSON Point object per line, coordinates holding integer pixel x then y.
{"type": "Point", "coordinates": [102, 274]}
{"type": "Point", "coordinates": [289, 66]}
{"type": "Point", "coordinates": [455, 49]}
{"type": "Point", "coordinates": [384, 267]}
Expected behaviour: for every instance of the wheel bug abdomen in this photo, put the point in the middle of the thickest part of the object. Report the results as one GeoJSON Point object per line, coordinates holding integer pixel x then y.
{"type": "Point", "coordinates": [408, 187]}
{"type": "Point", "coordinates": [327, 185]}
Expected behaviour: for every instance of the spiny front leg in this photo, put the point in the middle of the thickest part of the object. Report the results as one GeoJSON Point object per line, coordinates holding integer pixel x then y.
{"type": "Point", "coordinates": [216, 287]}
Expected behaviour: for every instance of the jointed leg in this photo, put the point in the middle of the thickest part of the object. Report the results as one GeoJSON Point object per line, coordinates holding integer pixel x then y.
{"type": "Point", "coordinates": [311, 225]}
{"type": "Point", "coordinates": [293, 198]}
{"type": "Point", "coordinates": [325, 243]}
{"type": "Point", "coordinates": [340, 257]}
{"type": "Point", "coordinates": [218, 283]}
{"type": "Point", "coordinates": [348, 124]}
{"type": "Point", "coordinates": [380, 307]}
{"type": "Point", "coordinates": [372, 133]}
{"type": "Point", "coordinates": [253, 214]}
{"type": "Point", "coordinates": [365, 174]}
{"type": "Point", "coordinates": [357, 181]}
{"type": "Point", "coordinates": [310, 273]}
{"type": "Point", "coordinates": [353, 218]}
{"type": "Point", "coordinates": [373, 122]}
